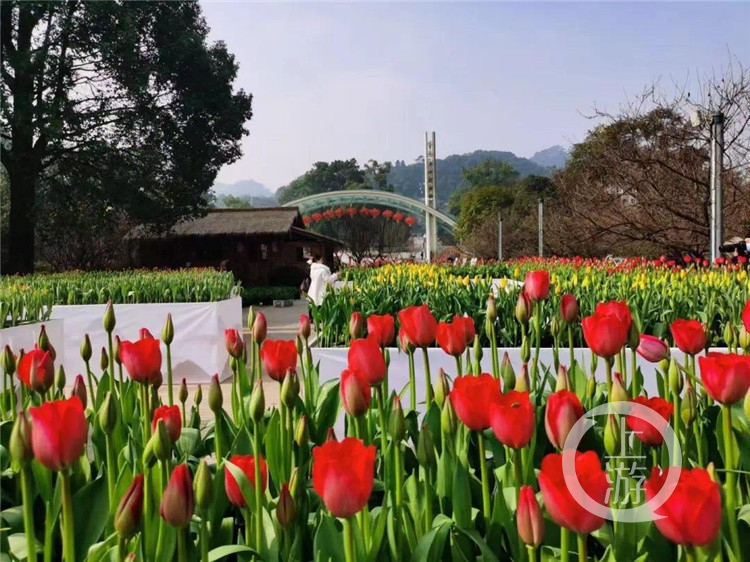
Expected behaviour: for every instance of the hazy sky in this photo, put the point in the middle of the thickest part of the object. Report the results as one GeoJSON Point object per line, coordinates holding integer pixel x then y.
{"type": "Point", "coordinates": [342, 80]}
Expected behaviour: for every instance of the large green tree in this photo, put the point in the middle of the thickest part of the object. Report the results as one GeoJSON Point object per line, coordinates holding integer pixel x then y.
{"type": "Point", "coordinates": [127, 99]}
{"type": "Point", "coordinates": [323, 178]}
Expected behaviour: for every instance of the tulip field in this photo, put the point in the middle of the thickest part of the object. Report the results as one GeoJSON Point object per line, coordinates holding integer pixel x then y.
{"type": "Point", "coordinates": [542, 463]}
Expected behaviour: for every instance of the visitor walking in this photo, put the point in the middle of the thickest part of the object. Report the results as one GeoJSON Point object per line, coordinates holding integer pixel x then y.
{"type": "Point", "coordinates": [320, 277]}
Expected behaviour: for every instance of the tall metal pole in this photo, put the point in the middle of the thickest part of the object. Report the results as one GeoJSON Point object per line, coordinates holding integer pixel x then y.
{"type": "Point", "coordinates": [430, 183]}
{"type": "Point", "coordinates": [500, 238]}
{"type": "Point", "coordinates": [541, 227]}
{"type": "Point", "coordinates": [717, 160]}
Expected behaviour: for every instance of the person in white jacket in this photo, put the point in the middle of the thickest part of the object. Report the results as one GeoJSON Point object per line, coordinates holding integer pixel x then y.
{"type": "Point", "coordinates": [320, 277]}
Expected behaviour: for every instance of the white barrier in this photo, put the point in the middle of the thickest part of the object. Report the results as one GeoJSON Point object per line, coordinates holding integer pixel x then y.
{"type": "Point", "coordinates": [197, 350]}
{"type": "Point", "coordinates": [25, 336]}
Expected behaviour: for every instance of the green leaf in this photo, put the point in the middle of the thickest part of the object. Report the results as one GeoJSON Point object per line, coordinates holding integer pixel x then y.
{"type": "Point", "coordinates": [328, 544]}
{"type": "Point", "coordinates": [244, 552]}
{"type": "Point", "coordinates": [90, 515]}
{"type": "Point", "coordinates": [461, 496]}
{"type": "Point", "coordinates": [188, 442]}
{"type": "Point", "coordinates": [327, 410]}
{"type": "Point", "coordinates": [432, 545]}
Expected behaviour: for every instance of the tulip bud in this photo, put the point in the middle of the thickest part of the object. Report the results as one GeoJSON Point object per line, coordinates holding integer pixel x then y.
{"type": "Point", "coordinates": [295, 482]}
{"type": "Point", "coordinates": [689, 406]}
{"type": "Point", "coordinates": [743, 339]}
{"type": "Point", "coordinates": [203, 487]}
{"type": "Point", "coordinates": [730, 335]}
{"type": "Point", "coordinates": [286, 511]}
{"type": "Point", "coordinates": [634, 336]}
{"type": "Point", "coordinates": [250, 319]}
{"type": "Point", "coordinates": [116, 350]}
{"type": "Point", "coordinates": [260, 328]}
{"type": "Point", "coordinates": [711, 469]}
{"type": "Point", "coordinates": [257, 402]}
{"type": "Point", "coordinates": [396, 422]}
{"type": "Point", "coordinates": [676, 380]}
{"type": "Point", "coordinates": [448, 418]}
{"type": "Point", "coordinates": [426, 446]}
{"type": "Point", "coordinates": [619, 394]}
{"type": "Point", "coordinates": [491, 309]}
{"type": "Point", "coordinates": [664, 364]}
{"type": "Point", "coordinates": [43, 340]}
{"type": "Point", "coordinates": [563, 381]}
{"type": "Point", "coordinates": [61, 381]}
{"type": "Point", "coordinates": [162, 444]}
{"type": "Point", "coordinates": [290, 389]}
{"type": "Point", "coordinates": [523, 384]}
{"type": "Point", "coordinates": [355, 393]}
{"type": "Point", "coordinates": [20, 442]}
{"type": "Point", "coordinates": [104, 360]}
{"type": "Point", "coordinates": [177, 501]}
{"type": "Point", "coordinates": [612, 435]}
{"type": "Point", "coordinates": [304, 327]}
{"type": "Point", "coordinates": [569, 309]}
{"type": "Point", "coordinates": [330, 435]}
{"type": "Point", "coordinates": [42, 375]}
{"type": "Point", "coordinates": [198, 396]}
{"type": "Point", "coordinates": [591, 387]}
{"type": "Point", "coordinates": [302, 432]}
{"type": "Point", "coordinates": [215, 397]}
{"type": "Point", "coordinates": [523, 308]}
{"type": "Point", "coordinates": [507, 373]}
{"type": "Point", "coordinates": [167, 332]}
{"type": "Point", "coordinates": [156, 381]}
{"type": "Point", "coordinates": [298, 344]}
{"type": "Point", "coordinates": [107, 414]}
{"type": "Point", "coordinates": [182, 395]}
{"type": "Point", "coordinates": [526, 350]}
{"type": "Point", "coordinates": [79, 387]}
{"type": "Point", "coordinates": [555, 327]}
{"type": "Point", "coordinates": [529, 518]}
{"type": "Point", "coordinates": [356, 325]}
{"type": "Point", "coordinates": [8, 361]}
{"type": "Point", "coordinates": [442, 387]}
{"type": "Point", "coordinates": [477, 351]}
{"type": "Point", "coordinates": [129, 511]}
{"type": "Point", "coordinates": [108, 321]}
{"type": "Point", "coordinates": [594, 362]}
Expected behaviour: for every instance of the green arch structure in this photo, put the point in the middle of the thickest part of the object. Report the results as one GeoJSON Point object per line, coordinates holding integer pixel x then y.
{"type": "Point", "coordinates": [373, 197]}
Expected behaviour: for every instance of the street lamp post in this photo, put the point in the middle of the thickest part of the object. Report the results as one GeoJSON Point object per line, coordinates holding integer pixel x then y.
{"type": "Point", "coordinates": [541, 227]}
{"type": "Point", "coordinates": [717, 160]}
{"type": "Point", "coordinates": [500, 238]}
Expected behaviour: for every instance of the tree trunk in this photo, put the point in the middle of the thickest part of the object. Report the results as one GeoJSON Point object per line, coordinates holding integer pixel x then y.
{"type": "Point", "coordinates": [21, 227]}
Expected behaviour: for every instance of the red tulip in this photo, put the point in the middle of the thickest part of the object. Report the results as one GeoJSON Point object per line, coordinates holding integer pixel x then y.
{"type": "Point", "coordinates": [356, 325]}
{"type": "Point", "coordinates": [177, 501]}
{"type": "Point", "coordinates": [58, 432]}
{"type": "Point", "coordinates": [746, 315]}
{"type": "Point", "coordinates": [512, 419]}
{"type": "Point", "coordinates": [618, 308]}
{"type": "Point", "coordinates": [691, 515]}
{"type": "Point", "coordinates": [652, 349]}
{"type": "Point", "coordinates": [260, 328]}
{"type": "Point", "coordinates": [725, 376]}
{"type": "Point", "coordinates": [172, 421]}
{"type": "Point", "coordinates": [536, 285]}
{"type": "Point", "coordinates": [645, 431]}
{"type": "Point", "coordinates": [569, 308]}
{"type": "Point", "coordinates": [343, 475]}
{"type": "Point", "coordinates": [144, 334]}
{"type": "Point", "coordinates": [278, 358]}
{"type": "Point", "coordinates": [36, 370]}
{"type": "Point", "coordinates": [233, 342]}
{"type": "Point", "coordinates": [529, 518]}
{"type": "Point", "coordinates": [688, 335]}
{"type": "Point", "coordinates": [419, 325]}
{"type": "Point", "coordinates": [564, 507]}
{"type": "Point", "coordinates": [129, 511]}
{"type": "Point", "coordinates": [79, 389]}
{"type": "Point", "coordinates": [403, 341]}
{"type": "Point", "coordinates": [142, 359]}
{"type": "Point", "coordinates": [472, 398]}
{"type": "Point", "coordinates": [605, 334]}
{"type": "Point", "coordinates": [305, 329]}
{"type": "Point", "coordinates": [246, 463]}
{"type": "Point", "coordinates": [451, 337]}
{"type": "Point", "coordinates": [382, 328]}
{"type": "Point", "coordinates": [563, 411]}
{"type": "Point", "coordinates": [366, 358]}
{"type": "Point", "coordinates": [355, 392]}
{"type": "Point", "coordinates": [470, 331]}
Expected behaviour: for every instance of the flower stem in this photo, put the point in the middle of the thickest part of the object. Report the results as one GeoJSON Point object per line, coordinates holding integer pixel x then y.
{"type": "Point", "coordinates": [111, 471]}
{"type": "Point", "coordinates": [204, 538]}
{"type": "Point", "coordinates": [459, 370]}
{"type": "Point", "coordinates": [485, 481]}
{"type": "Point", "coordinates": [117, 390]}
{"type": "Point", "coordinates": [493, 350]}
{"type": "Point", "coordinates": [383, 429]}
{"type": "Point", "coordinates": [69, 547]}
{"type": "Point", "coordinates": [537, 346]}
{"type": "Point", "coordinates": [49, 527]}
{"type": "Point", "coordinates": [572, 356]}
{"type": "Point", "coordinates": [121, 551]}
{"type": "Point", "coordinates": [654, 457]}
{"type": "Point", "coordinates": [170, 392]}
{"type": "Point", "coordinates": [518, 470]}
{"type": "Point", "coordinates": [532, 553]}
{"type": "Point", "coordinates": [258, 488]}
{"type": "Point", "coordinates": [677, 419]}
{"type": "Point", "coordinates": [634, 385]}
{"type": "Point", "coordinates": [731, 481]}
{"type": "Point", "coordinates": [428, 379]}
{"type": "Point", "coordinates": [181, 545]}
{"type": "Point", "coordinates": [28, 514]}
{"type": "Point", "coordinates": [218, 445]}
{"type": "Point", "coordinates": [582, 555]}
{"type": "Point", "coordinates": [90, 378]}
{"type": "Point", "coordinates": [248, 526]}
{"type": "Point", "coordinates": [145, 413]}
{"type": "Point", "coordinates": [412, 384]}
{"type": "Point", "coordinates": [689, 554]}
{"type": "Point", "coordinates": [349, 540]}
{"type": "Point", "coordinates": [564, 544]}
{"type": "Point", "coordinates": [608, 365]}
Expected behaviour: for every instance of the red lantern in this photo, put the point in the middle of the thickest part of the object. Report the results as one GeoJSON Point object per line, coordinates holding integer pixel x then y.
{"type": "Point", "coordinates": [398, 217]}
{"type": "Point", "coordinates": [307, 220]}
{"type": "Point", "coordinates": [328, 215]}
{"type": "Point", "coordinates": [351, 211]}
{"type": "Point", "coordinates": [317, 217]}
{"type": "Point", "coordinates": [387, 213]}
{"type": "Point", "coordinates": [339, 212]}
{"type": "Point", "coordinates": [410, 221]}
{"type": "Point", "coordinates": [364, 211]}
{"type": "Point", "coordinates": [374, 213]}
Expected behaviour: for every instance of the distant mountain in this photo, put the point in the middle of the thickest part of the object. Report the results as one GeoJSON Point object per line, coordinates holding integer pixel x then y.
{"type": "Point", "coordinates": [243, 188]}
{"type": "Point", "coordinates": [408, 179]}
{"type": "Point", "coordinates": [552, 157]}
